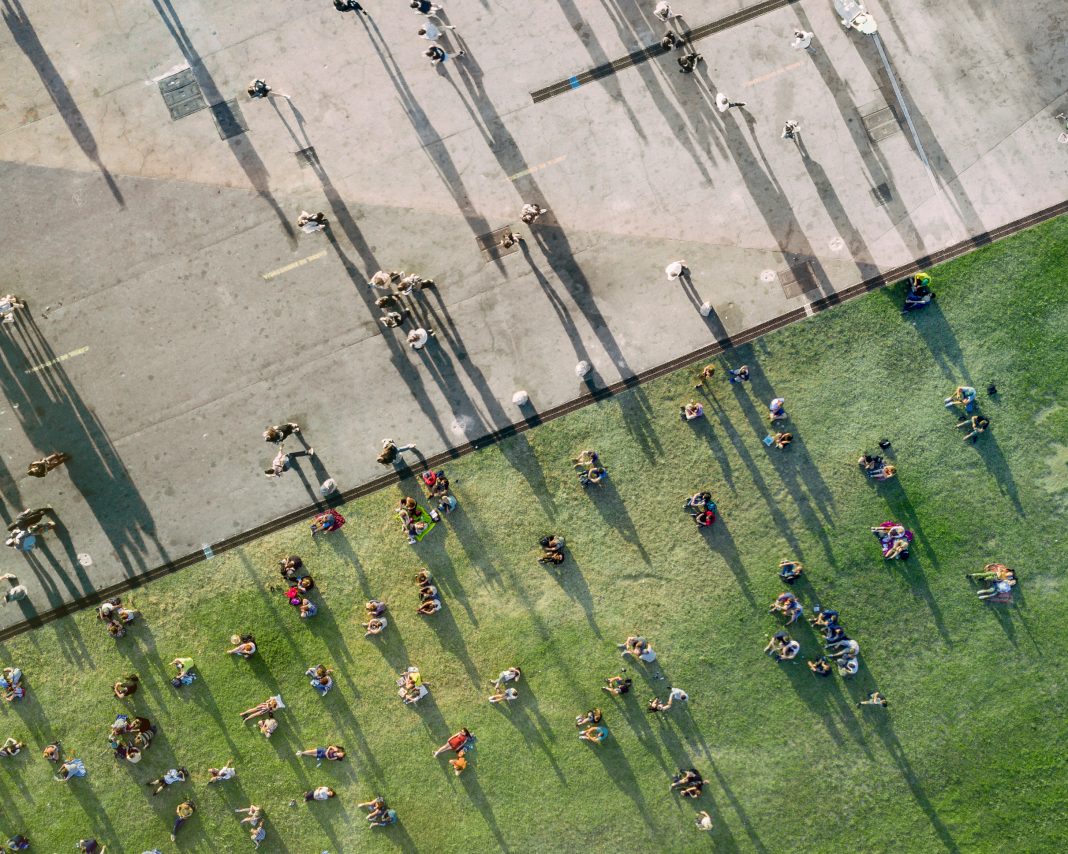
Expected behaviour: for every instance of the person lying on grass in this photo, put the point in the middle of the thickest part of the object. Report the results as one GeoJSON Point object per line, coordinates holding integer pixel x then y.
{"type": "Point", "coordinates": [617, 685]}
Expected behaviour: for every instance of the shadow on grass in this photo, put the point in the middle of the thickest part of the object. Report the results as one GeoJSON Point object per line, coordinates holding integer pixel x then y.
{"type": "Point", "coordinates": [719, 539]}
{"type": "Point", "coordinates": [609, 504]}
{"type": "Point", "coordinates": [478, 798]}
{"type": "Point", "coordinates": [998, 466]}
{"type": "Point", "coordinates": [618, 770]}
{"type": "Point", "coordinates": [931, 325]}
{"type": "Point", "coordinates": [471, 542]}
{"type": "Point", "coordinates": [738, 809]}
{"type": "Point", "coordinates": [571, 580]}
{"type": "Point", "coordinates": [520, 713]}
{"type": "Point", "coordinates": [701, 427]}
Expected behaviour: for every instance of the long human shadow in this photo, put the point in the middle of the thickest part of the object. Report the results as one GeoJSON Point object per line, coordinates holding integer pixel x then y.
{"type": "Point", "coordinates": [933, 327]}
{"type": "Point", "coordinates": [430, 140]}
{"type": "Point", "coordinates": [738, 809]}
{"type": "Point", "coordinates": [451, 638]}
{"type": "Point", "coordinates": [876, 166]}
{"type": "Point", "coordinates": [912, 780]}
{"type": "Point", "coordinates": [619, 771]}
{"type": "Point", "coordinates": [54, 417]}
{"type": "Point", "coordinates": [482, 804]}
{"type": "Point", "coordinates": [440, 563]}
{"type": "Point", "coordinates": [718, 538]}
{"type": "Point", "coordinates": [990, 452]}
{"type": "Point", "coordinates": [240, 146]}
{"type": "Point", "coordinates": [25, 36]}
{"type": "Point", "coordinates": [854, 240]}
{"type": "Point", "coordinates": [940, 163]}
{"type": "Point", "coordinates": [703, 428]}
{"type": "Point", "coordinates": [474, 548]}
{"type": "Point", "coordinates": [571, 580]}
{"type": "Point", "coordinates": [609, 504]}
{"type": "Point", "coordinates": [519, 714]}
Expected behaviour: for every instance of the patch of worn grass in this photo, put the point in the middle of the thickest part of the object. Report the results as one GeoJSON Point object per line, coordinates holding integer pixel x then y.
{"type": "Point", "coordinates": [967, 757]}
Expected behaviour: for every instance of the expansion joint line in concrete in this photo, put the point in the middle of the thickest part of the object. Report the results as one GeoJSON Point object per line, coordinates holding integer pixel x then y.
{"type": "Point", "coordinates": [595, 395]}
{"type": "Point", "coordinates": [653, 51]}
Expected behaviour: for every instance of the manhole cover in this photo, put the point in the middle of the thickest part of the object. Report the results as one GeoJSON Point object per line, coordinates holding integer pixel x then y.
{"type": "Point", "coordinates": [307, 157]}
{"type": "Point", "coordinates": [881, 194]}
{"type": "Point", "coordinates": [181, 93]}
{"type": "Point", "coordinates": [798, 279]}
{"type": "Point", "coordinates": [880, 119]}
{"type": "Point", "coordinates": [490, 244]}
{"type": "Point", "coordinates": [228, 119]}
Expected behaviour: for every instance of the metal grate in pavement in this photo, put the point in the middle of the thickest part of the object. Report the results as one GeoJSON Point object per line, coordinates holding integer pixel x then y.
{"type": "Point", "coordinates": [307, 157]}
{"type": "Point", "coordinates": [798, 279]}
{"type": "Point", "coordinates": [228, 119]}
{"type": "Point", "coordinates": [181, 93]}
{"type": "Point", "coordinates": [646, 53]}
{"type": "Point", "coordinates": [880, 120]}
{"type": "Point", "coordinates": [490, 244]}
{"type": "Point", "coordinates": [881, 194]}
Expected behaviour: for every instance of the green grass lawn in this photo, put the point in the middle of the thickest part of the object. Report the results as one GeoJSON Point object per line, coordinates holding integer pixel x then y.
{"type": "Point", "coordinates": [968, 757]}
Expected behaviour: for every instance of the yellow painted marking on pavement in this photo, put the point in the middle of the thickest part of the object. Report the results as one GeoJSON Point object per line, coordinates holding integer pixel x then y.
{"type": "Point", "coordinates": [294, 265]}
{"type": "Point", "coordinates": [775, 73]}
{"type": "Point", "coordinates": [56, 360]}
{"type": "Point", "coordinates": [536, 168]}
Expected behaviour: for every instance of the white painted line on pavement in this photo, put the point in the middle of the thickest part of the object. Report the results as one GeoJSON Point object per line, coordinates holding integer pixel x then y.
{"type": "Point", "coordinates": [772, 74]}
{"type": "Point", "coordinates": [57, 360]}
{"type": "Point", "coordinates": [268, 276]}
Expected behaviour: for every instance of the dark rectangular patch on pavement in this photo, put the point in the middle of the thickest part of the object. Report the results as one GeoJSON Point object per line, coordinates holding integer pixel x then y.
{"type": "Point", "coordinates": [181, 93]}
{"type": "Point", "coordinates": [798, 279]}
{"type": "Point", "coordinates": [228, 119]}
{"type": "Point", "coordinates": [881, 194]}
{"type": "Point", "coordinates": [490, 244]}
{"type": "Point", "coordinates": [307, 157]}
{"type": "Point", "coordinates": [655, 50]}
{"type": "Point", "coordinates": [880, 120]}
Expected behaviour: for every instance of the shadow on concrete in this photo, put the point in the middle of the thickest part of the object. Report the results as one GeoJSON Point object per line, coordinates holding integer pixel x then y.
{"type": "Point", "coordinates": [25, 36]}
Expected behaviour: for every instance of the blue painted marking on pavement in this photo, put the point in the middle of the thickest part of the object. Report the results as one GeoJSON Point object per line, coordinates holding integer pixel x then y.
{"type": "Point", "coordinates": [574, 81]}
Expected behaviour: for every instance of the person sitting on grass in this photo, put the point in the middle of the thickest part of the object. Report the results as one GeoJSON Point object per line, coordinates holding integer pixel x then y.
{"type": "Point", "coordinates": [782, 647]}
{"type": "Point", "coordinates": [69, 770]}
{"type": "Point", "coordinates": [777, 409]}
{"type": "Point", "coordinates": [11, 747]}
{"type": "Point", "coordinates": [875, 699]}
{"type": "Point", "coordinates": [51, 752]}
{"type": "Point", "coordinates": [291, 568]}
{"type": "Point", "coordinates": [332, 752]}
{"type": "Point", "coordinates": [244, 645]}
{"type": "Point", "coordinates": [327, 522]}
{"type": "Point", "coordinates": [169, 778]}
{"type": "Point", "coordinates": [782, 440]}
{"type": "Point", "coordinates": [11, 684]}
{"type": "Point", "coordinates": [321, 680]}
{"type": "Point", "coordinates": [221, 775]}
{"type": "Point", "coordinates": [698, 502]}
{"type": "Point", "coordinates": [738, 375]}
{"type": "Point", "coordinates": [184, 675]}
{"type": "Point", "coordinates": [507, 695]}
{"type": "Point", "coordinates": [685, 777]}
{"type": "Point", "coordinates": [705, 518]}
{"type": "Point", "coordinates": [870, 464]}
{"type": "Point", "coordinates": [657, 705]}
{"type": "Point", "coordinates": [307, 609]}
{"type": "Point", "coordinates": [593, 716]}
{"type": "Point", "coordinates": [595, 734]}
{"type": "Point", "coordinates": [1002, 587]}
{"type": "Point", "coordinates": [126, 687]}
{"type": "Point", "coordinates": [375, 608]}
{"type": "Point", "coordinates": [593, 476]}
{"type": "Point", "coordinates": [461, 740]}
{"type": "Point", "coordinates": [848, 666]}
{"type": "Point", "coordinates": [820, 667]}
{"type": "Point", "coordinates": [586, 459]}
{"type": "Point", "coordinates": [978, 424]}
{"type": "Point", "coordinates": [512, 674]}
{"type": "Point", "coordinates": [388, 817]}
{"type": "Point", "coordinates": [919, 293]}
{"type": "Point", "coordinates": [787, 605]}
{"type": "Point", "coordinates": [459, 764]}
{"type": "Point", "coordinates": [691, 411]}
{"type": "Point", "coordinates": [375, 626]}
{"type": "Point", "coordinates": [638, 647]}
{"type": "Point", "coordinates": [320, 793]}
{"type": "Point", "coordinates": [964, 396]}
{"type": "Point", "coordinates": [552, 549]}
{"type": "Point", "coordinates": [790, 570]}
{"type": "Point", "coordinates": [428, 592]}
{"type": "Point", "coordinates": [824, 617]}
{"type": "Point", "coordinates": [18, 842]}
{"type": "Point", "coordinates": [375, 808]}
{"type": "Point", "coordinates": [617, 685]}
{"type": "Point", "coordinates": [885, 473]}
{"type": "Point", "coordinates": [268, 706]}
{"type": "Point", "coordinates": [430, 606]}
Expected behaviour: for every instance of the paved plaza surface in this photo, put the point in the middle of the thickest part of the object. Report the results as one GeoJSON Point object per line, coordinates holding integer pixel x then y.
{"type": "Point", "coordinates": [175, 310]}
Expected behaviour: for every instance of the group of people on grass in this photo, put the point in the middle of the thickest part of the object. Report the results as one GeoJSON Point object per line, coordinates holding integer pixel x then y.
{"type": "Point", "coordinates": [300, 584]}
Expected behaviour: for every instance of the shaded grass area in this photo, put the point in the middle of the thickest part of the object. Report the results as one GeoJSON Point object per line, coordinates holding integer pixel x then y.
{"type": "Point", "coordinates": [967, 757]}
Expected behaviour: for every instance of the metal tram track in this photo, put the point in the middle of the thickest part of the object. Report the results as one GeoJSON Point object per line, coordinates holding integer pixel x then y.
{"type": "Point", "coordinates": [594, 396]}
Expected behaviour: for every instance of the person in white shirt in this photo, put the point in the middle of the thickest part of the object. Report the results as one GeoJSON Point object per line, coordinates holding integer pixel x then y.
{"type": "Point", "coordinates": [723, 103]}
{"type": "Point", "coordinates": [802, 40]}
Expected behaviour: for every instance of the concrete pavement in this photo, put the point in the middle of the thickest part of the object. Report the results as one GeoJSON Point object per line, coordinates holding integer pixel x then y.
{"type": "Point", "coordinates": [176, 310]}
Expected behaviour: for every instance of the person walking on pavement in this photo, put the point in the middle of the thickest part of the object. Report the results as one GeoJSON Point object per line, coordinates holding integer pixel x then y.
{"type": "Point", "coordinates": [34, 518]}
{"type": "Point", "coordinates": [723, 103]}
{"type": "Point", "coordinates": [791, 129]}
{"type": "Point", "coordinates": [348, 6]}
{"type": "Point", "coordinates": [41, 467]}
{"type": "Point", "coordinates": [280, 432]}
{"type": "Point", "coordinates": [8, 304]}
{"type": "Point", "coordinates": [16, 591]}
{"type": "Point", "coordinates": [688, 63]}
{"type": "Point", "coordinates": [310, 223]}
{"type": "Point", "coordinates": [802, 40]}
{"type": "Point", "coordinates": [417, 338]}
{"type": "Point", "coordinates": [430, 32]}
{"type": "Point", "coordinates": [437, 55]}
{"type": "Point", "coordinates": [391, 451]}
{"type": "Point", "coordinates": [663, 11]}
{"type": "Point", "coordinates": [531, 212]}
{"type": "Point", "coordinates": [281, 461]}
{"type": "Point", "coordinates": [425, 7]}
{"type": "Point", "coordinates": [676, 270]}
{"type": "Point", "coordinates": [258, 89]}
